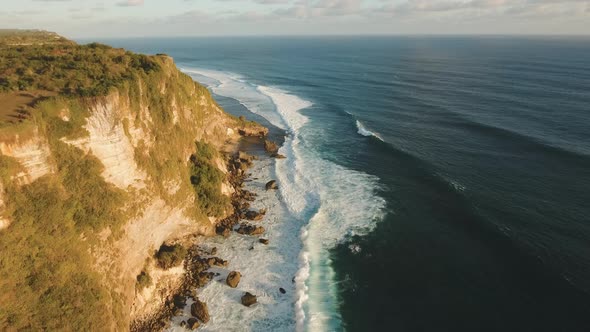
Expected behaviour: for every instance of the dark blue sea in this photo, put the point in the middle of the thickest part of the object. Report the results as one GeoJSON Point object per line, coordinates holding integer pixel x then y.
{"type": "Point", "coordinates": [438, 183]}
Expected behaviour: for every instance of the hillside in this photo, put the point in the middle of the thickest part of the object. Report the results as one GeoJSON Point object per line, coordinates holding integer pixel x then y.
{"type": "Point", "coordinates": [14, 37]}
{"type": "Point", "coordinates": [96, 173]}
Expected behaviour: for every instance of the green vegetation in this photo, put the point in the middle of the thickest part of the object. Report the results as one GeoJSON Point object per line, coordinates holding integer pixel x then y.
{"type": "Point", "coordinates": [206, 179]}
{"type": "Point", "coordinates": [143, 280]}
{"type": "Point", "coordinates": [13, 37]}
{"type": "Point", "coordinates": [47, 281]}
{"type": "Point", "coordinates": [170, 256]}
{"type": "Point", "coordinates": [48, 275]}
{"type": "Point", "coordinates": [70, 69]}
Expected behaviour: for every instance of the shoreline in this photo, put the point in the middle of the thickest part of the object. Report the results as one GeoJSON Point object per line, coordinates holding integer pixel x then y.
{"type": "Point", "coordinates": [203, 264]}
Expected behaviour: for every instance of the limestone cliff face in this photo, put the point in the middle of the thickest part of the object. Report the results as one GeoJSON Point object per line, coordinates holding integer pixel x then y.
{"type": "Point", "coordinates": [143, 134]}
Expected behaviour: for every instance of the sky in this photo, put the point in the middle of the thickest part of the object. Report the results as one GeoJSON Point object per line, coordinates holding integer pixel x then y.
{"type": "Point", "coordinates": [146, 18]}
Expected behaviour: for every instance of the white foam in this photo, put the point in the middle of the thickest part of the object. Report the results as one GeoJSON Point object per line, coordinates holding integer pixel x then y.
{"type": "Point", "coordinates": [343, 202]}
{"type": "Point", "coordinates": [321, 203]}
{"type": "Point", "coordinates": [365, 132]}
{"type": "Point", "coordinates": [235, 86]}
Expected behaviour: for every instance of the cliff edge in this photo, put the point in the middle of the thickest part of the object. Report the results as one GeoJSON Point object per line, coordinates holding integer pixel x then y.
{"type": "Point", "coordinates": [96, 146]}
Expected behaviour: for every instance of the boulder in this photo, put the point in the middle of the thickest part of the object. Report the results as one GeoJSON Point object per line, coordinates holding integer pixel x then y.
{"type": "Point", "coordinates": [233, 279]}
{"type": "Point", "coordinates": [248, 299]}
{"type": "Point", "coordinates": [263, 241]}
{"type": "Point", "coordinates": [192, 323]}
{"type": "Point", "coordinates": [253, 215]}
{"type": "Point", "coordinates": [270, 146]}
{"type": "Point", "coordinates": [247, 229]}
{"type": "Point", "coordinates": [243, 166]}
{"type": "Point", "coordinates": [179, 301]}
{"type": "Point", "coordinates": [216, 261]}
{"type": "Point", "coordinates": [243, 156]}
{"type": "Point", "coordinates": [282, 290]}
{"type": "Point", "coordinates": [278, 156]}
{"type": "Point", "coordinates": [199, 309]}
{"type": "Point", "coordinates": [203, 278]}
{"type": "Point", "coordinates": [222, 230]}
{"type": "Point", "coordinates": [272, 184]}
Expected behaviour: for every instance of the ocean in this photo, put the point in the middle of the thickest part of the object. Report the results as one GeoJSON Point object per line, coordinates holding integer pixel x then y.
{"type": "Point", "coordinates": [431, 183]}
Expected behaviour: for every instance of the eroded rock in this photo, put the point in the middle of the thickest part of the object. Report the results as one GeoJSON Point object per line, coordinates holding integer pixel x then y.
{"type": "Point", "coordinates": [199, 310]}
{"type": "Point", "coordinates": [192, 323]}
{"type": "Point", "coordinates": [248, 229]}
{"type": "Point", "coordinates": [270, 146]}
{"type": "Point", "coordinates": [248, 299]}
{"type": "Point", "coordinates": [233, 279]}
{"type": "Point", "coordinates": [254, 215]}
{"type": "Point", "coordinates": [272, 184]}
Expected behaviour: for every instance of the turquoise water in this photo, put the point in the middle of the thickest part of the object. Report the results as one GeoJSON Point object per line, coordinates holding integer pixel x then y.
{"type": "Point", "coordinates": [441, 183]}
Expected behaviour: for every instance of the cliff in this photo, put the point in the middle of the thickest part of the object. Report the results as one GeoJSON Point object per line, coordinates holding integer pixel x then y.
{"type": "Point", "coordinates": [95, 175]}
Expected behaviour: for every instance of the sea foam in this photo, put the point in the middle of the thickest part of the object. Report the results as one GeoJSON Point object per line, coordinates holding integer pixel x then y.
{"type": "Point", "coordinates": [318, 204]}
{"type": "Point", "coordinates": [365, 132]}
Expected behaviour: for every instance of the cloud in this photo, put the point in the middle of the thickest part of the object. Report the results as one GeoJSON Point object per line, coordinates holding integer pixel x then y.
{"type": "Point", "coordinates": [130, 3]}
{"type": "Point", "coordinates": [321, 8]}
{"type": "Point", "coordinates": [468, 9]}
{"type": "Point", "coordinates": [29, 12]}
{"type": "Point", "coordinates": [272, 2]}
{"type": "Point", "coordinates": [189, 17]}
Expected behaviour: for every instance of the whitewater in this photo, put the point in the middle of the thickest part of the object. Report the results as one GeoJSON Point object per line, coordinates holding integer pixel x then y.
{"type": "Point", "coordinates": [362, 130]}
{"type": "Point", "coordinates": [318, 205]}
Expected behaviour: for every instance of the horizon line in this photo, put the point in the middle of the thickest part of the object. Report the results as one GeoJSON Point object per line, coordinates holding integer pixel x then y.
{"type": "Point", "coordinates": [341, 35]}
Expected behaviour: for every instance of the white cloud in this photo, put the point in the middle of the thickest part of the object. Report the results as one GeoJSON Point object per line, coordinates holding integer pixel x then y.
{"type": "Point", "coordinates": [130, 3]}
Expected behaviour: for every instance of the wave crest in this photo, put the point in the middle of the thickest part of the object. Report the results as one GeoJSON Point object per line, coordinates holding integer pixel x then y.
{"type": "Point", "coordinates": [365, 132]}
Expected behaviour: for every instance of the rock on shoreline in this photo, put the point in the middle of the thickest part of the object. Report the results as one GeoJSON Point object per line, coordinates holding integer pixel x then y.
{"type": "Point", "coordinates": [272, 184]}
{"type": "Point", "coordinates": [200, 311]}
{"type": "Point", "coordinates": [200, 260]}
{"type": "Point", "coordinates": [248, 299]}
{"type": "Point", "coordinates": [233, 279]}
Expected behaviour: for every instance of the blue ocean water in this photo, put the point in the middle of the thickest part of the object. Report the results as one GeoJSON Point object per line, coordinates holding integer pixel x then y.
{"type": "Point", "coordinates": [441, 183]}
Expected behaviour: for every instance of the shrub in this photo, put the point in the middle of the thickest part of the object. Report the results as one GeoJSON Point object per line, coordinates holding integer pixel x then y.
{"type": "Point", "coordinates": [170, 256]}
{"type": "Point", "coordinates": [143, 280]}
{"type": "Point", "coordinates": [71, 69]}
{"type": "Point", "coordinates": [206, 179]}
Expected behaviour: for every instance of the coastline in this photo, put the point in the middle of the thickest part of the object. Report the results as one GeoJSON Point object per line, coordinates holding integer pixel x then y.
{"type": "Point", "coordinates": [211, 259]}
{"type": "Point", "coordinates": [265, 269]}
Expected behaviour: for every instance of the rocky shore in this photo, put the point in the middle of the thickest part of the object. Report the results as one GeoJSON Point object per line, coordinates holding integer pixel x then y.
{"type": "Point", "coordinates": [183, 302]}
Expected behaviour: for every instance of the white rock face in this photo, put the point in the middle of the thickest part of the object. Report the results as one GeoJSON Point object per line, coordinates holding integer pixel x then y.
{"type": "Point", "coordinates": [108, 142]}
{"type": "Point", "coordinates": [33, 154]}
